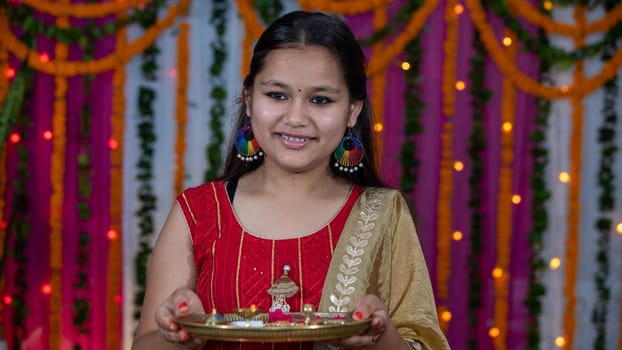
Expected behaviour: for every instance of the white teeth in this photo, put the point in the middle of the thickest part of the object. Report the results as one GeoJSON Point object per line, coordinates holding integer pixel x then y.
{"type": "Point", "coordinates": [293, 139]}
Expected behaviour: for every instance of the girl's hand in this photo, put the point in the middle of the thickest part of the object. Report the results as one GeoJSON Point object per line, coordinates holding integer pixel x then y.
{"type": "Point", "coordinates": [182, 301]}
{"type": "Point", "coordinates": [369, 306]}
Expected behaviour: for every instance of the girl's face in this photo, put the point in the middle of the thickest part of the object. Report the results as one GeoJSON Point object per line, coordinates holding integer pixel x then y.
{"type": "Point", "coordinates": [299, 108]}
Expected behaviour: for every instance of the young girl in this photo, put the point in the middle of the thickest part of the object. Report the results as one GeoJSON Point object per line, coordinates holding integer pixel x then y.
{"type": "Point", "coordinates": [299, 191]}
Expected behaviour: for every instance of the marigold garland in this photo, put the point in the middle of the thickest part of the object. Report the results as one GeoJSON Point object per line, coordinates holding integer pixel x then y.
{"type": "Point", "coordinates": [115, 254]}
{"type": "Point", "coordinates": [351, 7]}
{"type": "Point", "coordinates": [183, 53]}
{"type": "Point", "coordinates": [84, 10]}
{"type": "Point", "coordinates": [253, 31]}
{"type": "Point", "coordinates": [535, 17]}
{"type": "Point", "coordinates": [526, 83]}
{"type": "Point", "coordinates": [60, 67]}
{"type": "Point", "coordinates": [574, 205]}
{"type": "Point", "coordinates": [57, 174]}
{"type": "Point", "coordinates": [504, 208]}
{"type": "Point", "coordinates": [379, 62]}
{"type": "Point", "coordinates": [444, 219]}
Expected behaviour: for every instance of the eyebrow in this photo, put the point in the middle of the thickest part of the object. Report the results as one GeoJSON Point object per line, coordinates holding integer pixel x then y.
{"type": "Point", "coordinates": [282, 85]}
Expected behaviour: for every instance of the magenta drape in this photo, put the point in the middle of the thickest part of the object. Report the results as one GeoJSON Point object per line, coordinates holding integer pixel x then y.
{"type": "Point", "coordinates": [39, 187]}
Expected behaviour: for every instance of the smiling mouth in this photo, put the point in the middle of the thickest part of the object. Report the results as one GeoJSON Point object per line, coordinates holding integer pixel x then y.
{"type": "Point", "coordinates": [294, 139]}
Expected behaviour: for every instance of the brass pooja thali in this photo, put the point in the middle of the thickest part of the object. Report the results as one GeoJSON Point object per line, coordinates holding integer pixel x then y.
{"type": "Point", "coordinates": [278, 325]}
{"type": "Point", "coordinates": [314, 326]}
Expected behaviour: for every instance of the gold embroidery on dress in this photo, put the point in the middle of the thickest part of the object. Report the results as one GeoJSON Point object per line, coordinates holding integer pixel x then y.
{"type": "Point", "coordinates": [300, 271]}
{"type": "Point", "coordinates": [183, 195]}
{"type": "Point", "coordinates": [211, 291]}
{"type": "Point", "coordinates": [237, 271]}
{"type": "Point", "coordinates": [358, 241]}
{"type": "Point", "coordinates": [330, 240]}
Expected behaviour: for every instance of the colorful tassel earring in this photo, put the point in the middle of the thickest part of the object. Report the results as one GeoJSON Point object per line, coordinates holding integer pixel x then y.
{"type": "Point", "coordinates": [247, 146]}
{"type": "Point", "coordinates": [349, 154]}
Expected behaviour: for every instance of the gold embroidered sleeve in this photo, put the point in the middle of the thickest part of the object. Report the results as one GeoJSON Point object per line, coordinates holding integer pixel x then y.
{"type": "Point", "coordinates": [400, 277]}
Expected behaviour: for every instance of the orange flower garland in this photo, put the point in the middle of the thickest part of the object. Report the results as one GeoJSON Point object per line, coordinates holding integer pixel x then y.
{"type": "Point", "coordinates": [253, 31]}
{"type": "Point", "coordinates": [379, 62]}
{"type": "Point", "coordinates": [444, 218]}
{"type": "Point", "coordinates": [183, 52]}
{"type": "Point", "coordinates": [57, 175]}
{"type": "Point", "coordinates": [84, 10]}
{"type": "Point", "coordinates": [504, 208]}
{"type": "Point", "coordinates": [60, 67]}
{"type": "Point", "coordinates": [527, 84]}
{"type": "Point", "coordinates": [351, 7]}
{"type": "Point", "coordinates": [533, 16]}
{"type": "Point", "coordinates": [378, 86]}
{"type": "Point", "coordinates": [115, 247]}
{"type": "Point", "coordinates": [574, 204]}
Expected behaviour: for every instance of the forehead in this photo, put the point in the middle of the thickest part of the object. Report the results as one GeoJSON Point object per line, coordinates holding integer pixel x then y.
{"type": "Point", "coordinates": [308, 64]}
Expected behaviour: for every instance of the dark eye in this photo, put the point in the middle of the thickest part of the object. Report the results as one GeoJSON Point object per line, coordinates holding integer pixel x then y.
{"type": "Point", "coordinates": [275, 95]}
{"type": "Point", "coordinates": [321, 100]}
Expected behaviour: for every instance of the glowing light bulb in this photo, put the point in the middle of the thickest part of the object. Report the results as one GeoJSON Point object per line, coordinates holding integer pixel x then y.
{"type": "Point", "coordinates": [493, 332]}
{"type": "Point", "coordinates": [619, 228]}
{"type": "Point", "coordinates": [15, 137]}
{"type": "Point", "coordinates": [458, 9]}
{"type": "Point", "coordinates": [46, 289]}
{"type": "Point", "coordinates": [560, 342]}
{"type": "Point", "coordinates": [47, 135]}
{"type": "Point", "coordinates": [378, 127]}
{"type": "Point", "coordinates": [564, 177]}
{"type": "Point", "coordinates": [507, 41]}
{"type": "Point", "coordinates": [497, 272]}
{"type": "Point", "coordinates": [460, 85]}
{"type": "Point", "coordinates": [112, 234]}
{"type": "Point", "coordinates": [516, 199]}
{"type": "Point", "coordinates": [547, 5]}
{"type": "Point", "coordinates": [564, 88]}
{"type": "Point", "coordinates": [10, 73]}
{"type": "Point", "coordinates": [405, 66]}
{"type": "Point", "coordinates": [446, 316]}
{"type": "Point", "coordinates": [457, 235]}
{"type": "Point", "coordinates": [7, 299]}
{"type": "Point", "coordinates": [555, 263]}
{"type": "Point", "coordinates": [113, 144]}
{"type": "Point", "coordinates": [506, 127]}
{"type": "Point", "coordinates": [458, 166]}
{"type": "Point", "coordinates": [44, 57]}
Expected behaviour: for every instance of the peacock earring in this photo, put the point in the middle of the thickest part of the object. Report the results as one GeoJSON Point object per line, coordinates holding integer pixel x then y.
{"type": "Point", "coordinates": [246, 144]}
{"type": "Point", "coordinates": [349, 154]}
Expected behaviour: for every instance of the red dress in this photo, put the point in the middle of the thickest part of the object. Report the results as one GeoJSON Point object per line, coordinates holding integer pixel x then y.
{"type": "Point", "coordinates": [235, 268]}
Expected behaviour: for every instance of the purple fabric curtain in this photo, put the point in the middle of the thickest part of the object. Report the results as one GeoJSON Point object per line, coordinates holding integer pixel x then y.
{"type": "Point", "coordinates": [425, 196]}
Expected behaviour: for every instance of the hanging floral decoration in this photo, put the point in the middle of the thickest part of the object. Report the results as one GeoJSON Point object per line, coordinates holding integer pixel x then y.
{"type": "Point", "coordinates": [218, 93]}
{"type": "Point", "coordinates": [607, 134]}
{"type": "Point", "coordinates": [147, 18]}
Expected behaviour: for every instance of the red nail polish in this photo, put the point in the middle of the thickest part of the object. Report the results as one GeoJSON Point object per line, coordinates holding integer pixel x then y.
{"type": "Point", "coordinates": [357, 315]}
{"type": "Point", "coordinates": [183, 305]}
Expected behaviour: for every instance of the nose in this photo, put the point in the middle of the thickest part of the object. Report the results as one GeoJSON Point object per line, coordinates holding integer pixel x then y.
{"type": "Point", "coordinates": [296, 113]}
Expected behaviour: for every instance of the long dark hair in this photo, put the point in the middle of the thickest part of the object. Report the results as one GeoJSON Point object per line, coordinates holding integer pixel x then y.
{"type": "Point", "coordinates": [298, 29]}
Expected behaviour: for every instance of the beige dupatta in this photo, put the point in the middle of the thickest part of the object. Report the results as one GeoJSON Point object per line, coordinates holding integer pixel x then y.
{"type": "Point", "coordinates": [379, 253]}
